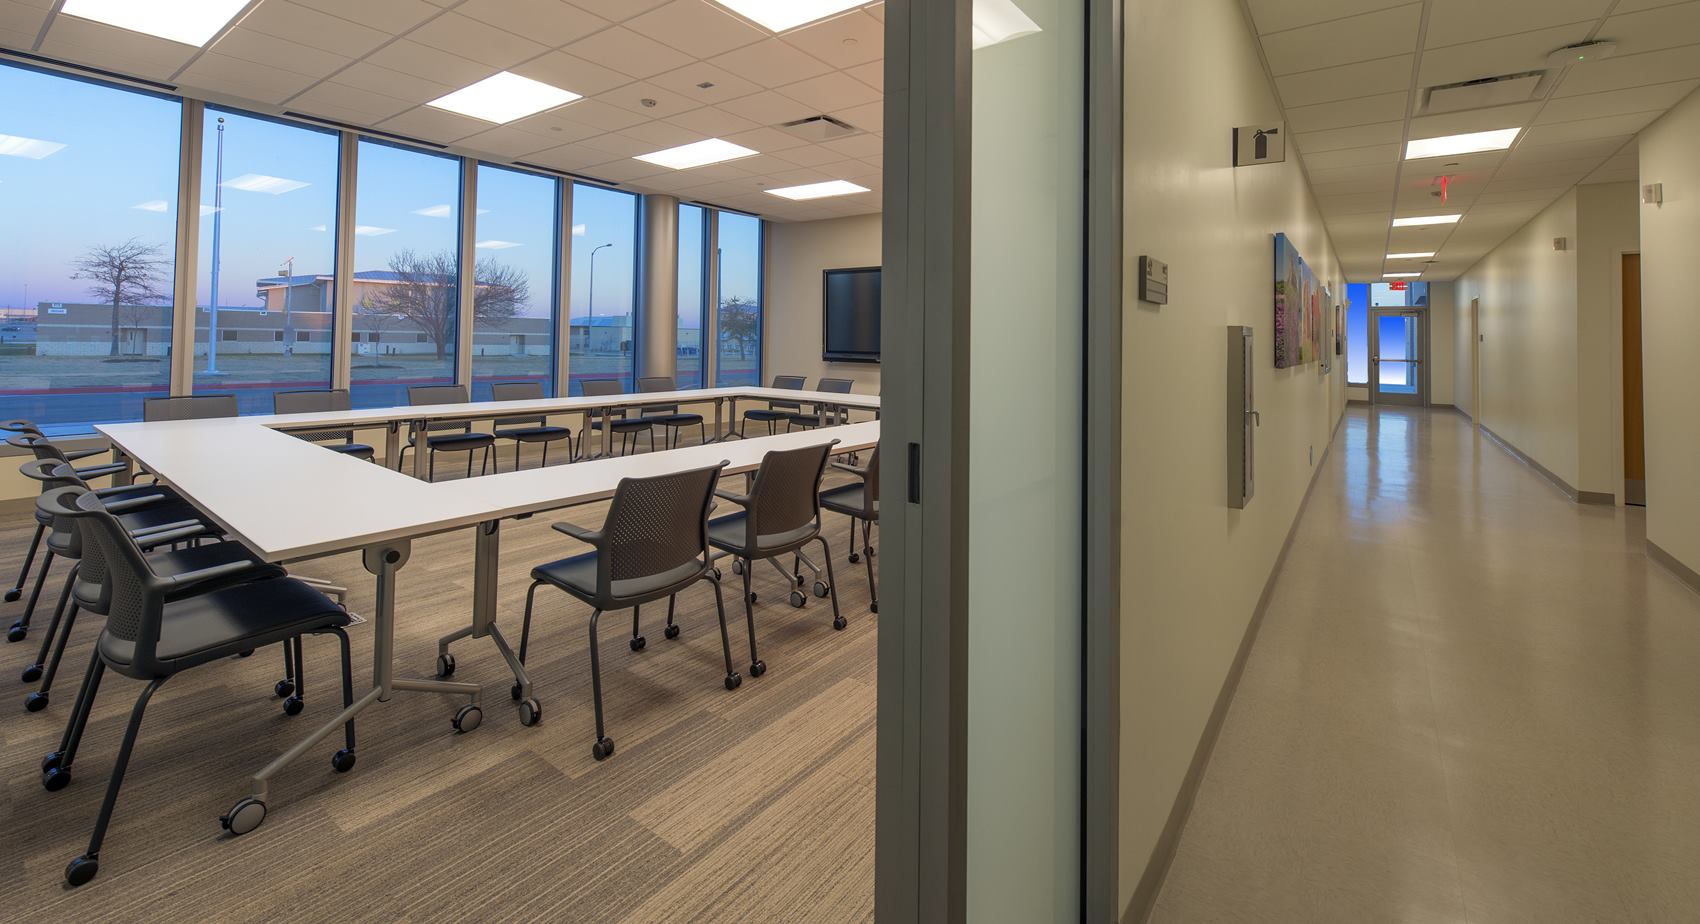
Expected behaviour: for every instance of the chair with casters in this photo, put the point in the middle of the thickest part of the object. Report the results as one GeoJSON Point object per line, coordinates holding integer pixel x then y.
{"type": "Point", "coordinates": [775, 411]}
{"type": "Point", "coordinates": [812, 419]}
{"type": "Point", "coordinates": [781, 515]}
{"type": "Point", "coordinates": [667, 416]}
{"type": "Point", "coordinates": [23, 434]}
{"type": "Point", "coordinates": [453, 436]}
{"type": "Point", "coordinates": [188, 407]}
{"type": "Point", "coordinates": [860, 502]}
{"type": "Point", "coordinates": [318, 401]}
{"type": "Point", "coordinates": [625, 427]}
{"type": "Point", "coordinates": [160, 625]}
{"type": "Point", "coordinates": [521, 430]}
{"type": "Point", "coordinates": [653, 544]}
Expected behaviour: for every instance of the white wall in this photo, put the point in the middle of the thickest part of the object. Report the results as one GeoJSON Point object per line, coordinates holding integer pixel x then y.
{"type": "Point", "coordinates": [797, 253]}
{"type": "Point", "coordinates": [1463, 360]}
{"type": "Point", "coordinates": [1193, 569]}
{"type": "Point", "coordinates": [1442, 353]}
{"type": "Point", "coordinates": [1670, 319]}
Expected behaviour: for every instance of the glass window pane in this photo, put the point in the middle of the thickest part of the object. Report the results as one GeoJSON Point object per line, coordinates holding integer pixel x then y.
{"type": "Point", "coordinates": [604, 285]}
{"type": "Point", "coordinates": [740, 300]}
{"type": "Point", "coordinates": [689, 363]}
{"type": "Point", "coordinates": [268, 243]}
{"type": "Point", "coordinates": [87, 249]}
{"type": "Point", "coordinates": [513, 311]}
{"type": "Point", "coordinates": [1357, 334]}
{"type": "Point", "coordinates": [406, 272]}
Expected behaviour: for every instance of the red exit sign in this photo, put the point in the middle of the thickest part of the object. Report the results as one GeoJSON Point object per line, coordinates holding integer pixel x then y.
{"type": "Point", "coordinates": [1398, 286]}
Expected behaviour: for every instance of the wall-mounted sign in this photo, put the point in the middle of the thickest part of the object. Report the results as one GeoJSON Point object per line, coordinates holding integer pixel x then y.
{"type": "Point", "coordinates": [1153, 281]}
{"type": "Point", "coordinates": [1259, 144]}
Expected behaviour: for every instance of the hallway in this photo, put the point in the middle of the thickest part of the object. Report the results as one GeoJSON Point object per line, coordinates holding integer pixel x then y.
{"type": "Point", "coordinates": [1470, 700]}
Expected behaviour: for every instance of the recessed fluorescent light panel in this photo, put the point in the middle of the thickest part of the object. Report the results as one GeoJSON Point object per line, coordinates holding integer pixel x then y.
{"type": "Point", "coordinates": [32, 148]}
{"type": "Point", "coordinates": [697, 154]}
{"type": "Point", "coordinates": [819, 190]}
{"type": "Point", "coordinates": [192, 22]}
{"type": "Point", "coordinates": [504, 97]}
{"type": "Point", "coordinates": [779, 15]}
{"type": "Point", "coordinates": [1400, 275]}
{"type": "Point", "coordinates": [1420, 220]}
{"type": "Point", "coordinates": [260, 183]}
{"type": "Point", "coordinates": [997, 21]}
{"type": "Point", "coordinates": [1410, 256]}
{"type": "Point", "coordinates": [1453, 145]}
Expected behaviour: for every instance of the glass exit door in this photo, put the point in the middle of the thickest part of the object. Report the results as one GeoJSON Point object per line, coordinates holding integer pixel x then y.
{"type": "Point", "coordinates": [1397, 370]}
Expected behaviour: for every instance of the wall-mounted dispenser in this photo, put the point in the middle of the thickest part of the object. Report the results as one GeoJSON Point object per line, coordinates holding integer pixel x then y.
{"type": "Point", "coordinates": [1242, 417]}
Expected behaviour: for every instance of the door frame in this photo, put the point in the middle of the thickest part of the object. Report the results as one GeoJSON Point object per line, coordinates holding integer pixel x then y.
{"type": "Point", "coordinates": [1618, 469]}
{"type": "Point", "coordinates": [1476, 360]}
{"type": "Point", "coordinates": [1423, 354]}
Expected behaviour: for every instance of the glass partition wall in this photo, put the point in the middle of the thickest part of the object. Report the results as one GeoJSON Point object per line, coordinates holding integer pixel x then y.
{"type": "Point", "coordinates": [88, 324]}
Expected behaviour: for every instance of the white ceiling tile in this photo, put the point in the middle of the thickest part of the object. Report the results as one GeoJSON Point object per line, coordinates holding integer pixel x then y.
{"type": "Point", "coordinates": [597, 114]}
{"type": "Point", "coordinates": [110, 48]}
{"type": "Point", "coordinates": [508, 141]}
{"type": "Point", "coordinates": [1574, 150]}
{"type": "Point", "coordinates": [1659, 97]}
{"type": "Point", "coordinates": [1280, 15]}
{"type": "Point", "coordinates": [1353, 157]}
{"type": "Point", "coordinates": [1614, 173]}
{"type": "Point", "coordinates": [476, 41]}
{"type": "Point", "coordinates": [225, 75]}
{"type": "Point", "coordinates": [1381, 173]}
{"type": "Point", "coordinates": [867, 117]}
{"type": "Point", "coordinates": [808, 155]}
{"type": "Point", "coordinates": [1343, 113]}
{"type": "Point", "coordinates": [1521, 170]}
{"type": "Point", "coordinates": [768, 108]}
{"type": "Point", "coordinates": [1455, 21]}
{"type": "Point", "coordinates": [437, 125]}
{"type": "Point", "coordinates": [1346, 205]}
{"type": "Point", "coordinates": [648, 100]}
{"type": "Point", "coordinates": [22, 19]}
{"type": "Point", "coordinates": [688, 81]}
{"type": "Point", "coordinates": [568, 157]}
{"type": "Point", "coordinates": [559, 69]}
{"type": "Point", "coordinates": [626, 51]}
{"type": "Point", "coordinates": [832, 91]}
{"type": "Point", "coordinates": [1365, 78]}
{"type": "Point", "coordinates": [846, 41]}
{"type": "Point", "coordinates": [1474, 120]}
{"type": "Point", "coordinates": [771, 63]}
{"type": "Point", "coordinates": [391, 16]}
{"type": "Point", "coordinates": [1651, 30]}
{"type": "Point", "coordinates": [428, 63]}
{"type": "Point", "coordinates": [279, 53]}
{"type": "Point", "coordinates": [863, 145]}
{"type": "Point", "coordinates": [1631, 71]}
{"type": "Point", "coordinates": [551, 22]}
{"type": "Point", "coordinates": [1355, 137]}
{"type": "Point", "coordinates": [1344, 41]}
{"type": "Point", "coordinates": [766, 140]}
{"type": "Point", "coordinates": [558, 126]}
{"type": "Point", "coordinates": [390, 83]}
{"type": "Point", "coordinates": [710, 122]}
{"type": "Point", "coordinates": [344, 103]}
{"type": "Point", "coordinates": [618, 10]}
{"type": "Point", "coordinates": [696, 27]}
{"type": "Point", "coordinates": [662, 135]}
{"type": "Point", "coordinates": [1587, 129]}
{"type": "Point", "coordinates": [298, 23]}
{"type": "Point", "coordinates": [625, 170]}
{"type": "Point", "coordinates": [1510, 54]}
{"type": "Point", "coordinates": [871, 74]}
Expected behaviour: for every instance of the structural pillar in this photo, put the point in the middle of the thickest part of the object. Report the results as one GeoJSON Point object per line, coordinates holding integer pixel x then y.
{"type": "Point", "coordinates": [658, 286]}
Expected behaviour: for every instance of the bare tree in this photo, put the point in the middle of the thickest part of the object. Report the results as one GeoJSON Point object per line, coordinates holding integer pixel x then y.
{"type": "Point", "coordinates": [127, 274]}
{"type": "Point", "coordinates": [425, 292]}
{"type": "Point", "coordinates": [377, 321]}
{"type": "Point", "coordinates": [739, 323]}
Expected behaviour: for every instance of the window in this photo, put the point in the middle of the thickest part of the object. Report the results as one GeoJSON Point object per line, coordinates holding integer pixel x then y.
{"type": "Point", "coordinates": [406, 271]}
{"type": "Point", "coordinates": [513, 307]}
{"type": "Point", "coordinates": [87, 248]}
{"type": "Point", "coordinates": [268, 243]}
{"type": "Point", "coordinates": [739, 324]}
{"type": "Point", "coordinates": [692, 296]}
{"type": "Point", "coordinates": [1357, 334]}
{"type": "Point", "coordinates": [604, 285]}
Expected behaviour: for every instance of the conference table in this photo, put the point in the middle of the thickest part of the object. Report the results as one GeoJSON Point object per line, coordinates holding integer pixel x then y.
{"type": "Point", "coordinates": [289, 500]}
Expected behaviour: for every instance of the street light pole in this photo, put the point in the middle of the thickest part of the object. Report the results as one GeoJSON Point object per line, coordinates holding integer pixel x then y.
{"type": "Point", "coordinates": [288, 322]}
{"type": "Point", "coordinates": [218, 227]}
{"type": "Point", "coordinates": [590, 332]}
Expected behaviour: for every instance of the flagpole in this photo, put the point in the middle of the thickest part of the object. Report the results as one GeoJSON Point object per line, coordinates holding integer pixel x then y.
{"type": "Point", "coordinates": [218, 222]}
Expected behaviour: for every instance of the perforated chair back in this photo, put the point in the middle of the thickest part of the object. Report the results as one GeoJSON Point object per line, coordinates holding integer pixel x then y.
{"type": "Point", "coordinates": [785, 500]}
{"type": "Point", "coordinates": [791, 383]}
{"type": "Point", "coordinates": [39, 446]}
{"type": "Point", "coordinates": [65, 539]}
{"type": "Point", "coordinates": [603, 388]}
{"type": "Point", "coordinates": [188, 407]}
{"type": "Point", "coordinates": [425, 395]}
{"type": "Point", "coordinates": [135, 596]}
{"type": "Point", "coordinates": [871, 487]}
{"type": "Point", "coordinates": [518, 391]}
{"type": "Point", "coordinates": [836, 386]}
{"type": "Point", "coordinates": [656, 534]}
{"type": "Point", "coordinates": [651, 384]}
{"type": "Point", "coordinates": [315, 401]}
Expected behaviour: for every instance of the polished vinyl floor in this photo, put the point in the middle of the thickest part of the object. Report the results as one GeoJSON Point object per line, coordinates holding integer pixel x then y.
{"type": "Point", "coordinates": [756, 804]}
{"type": "Point", "coordinates": [1470, 701]}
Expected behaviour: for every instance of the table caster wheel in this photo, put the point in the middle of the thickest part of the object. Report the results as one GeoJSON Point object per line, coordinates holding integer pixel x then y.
{"type": "Point", "coordinates": [14, 595]}
{"type": "Point", "coordinates": [717, 574]}
{"type": "Point", "coordinates": [821, 590]}
{"type": "Point", "coordinates": [737, 566]}
{"type": "Point", "coordinates": [445, 665]}
{"type": "Point", "coordinates": [797, 599]}
{"type": "Point", "coordinates": [530, 712]}
{"type": "Point", "coordinates": [758, 668]}
{"type": "Point", "coordinates": [31, 674]}
{"type": "Point", "coordinates": [839, 622]}
{"type": "Point", "coordinates": [751, 596]}
{"type": "Point", "coordinates": [293, 706]}
{"type": "Point", "coordinates": [638, 642]}
{"type": "Point", "coordinates": [515, 691]}
{"type": "Point", "coordinates": [244, 816]}
{"type": "Point", "coordinates": [873, 607]}
{"type": "Point", "coordinates": [671, 632]}
{"type": "Point", "coordinates": [35, 702]}
{"type": "Point", "coordinates": [855, 558]}
{"type": "Point", "coordinates": [17, 632]}
{"type": "Point", "coordinates": [82, 871]}
{"type": "Point", "coordinates": [245, 654]}
{"type": "Point", "coordinates": [283, 688]}
{"type": "Point", "coordinates": [602, 749]}
{"type": "Point", "coordinates": [55, 779]}
{"type": "Point", "coordinates": [468, 718]}
{"type": "Point", "coordinates": [53, 759]}
{"type": "Point", "coordinates": [734, 680]}
{"type": "Point", "coordinates": [342, 761]}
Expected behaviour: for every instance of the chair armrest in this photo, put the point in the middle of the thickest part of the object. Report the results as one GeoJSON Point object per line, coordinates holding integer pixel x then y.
{"type": "Point", "coordinates": [100, 471]}
{"type": "Point", "coordinates": [124, 489]}
{"type": "Point", "coordinates": [858, 471]}
{"type": "Point", "coordinates": [126, 504]}
{"type": "Point", "coordinates": [83, 454]}
{"type": "Point", "coordinates": [742, 500]}
{"type": "Point", "coordinates": [177, 582]}
{"type": "Point", "coordinates": [582, 534]}
{"type": "Point", "coordinates": [170, 532]}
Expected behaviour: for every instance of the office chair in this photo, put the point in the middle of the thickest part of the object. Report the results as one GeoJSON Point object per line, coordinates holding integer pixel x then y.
{"type": "Point", "coordinates": [667, 415]}
{"type": "Point", "coordinates": [23, 428]}
{"type": "Point", "coordinates": [653, 544]}
{"type": "Point", "coordinates": [188, 407]}
{"type": "Point", "coordinates": [775, 410]}
{"type": "Point", "coordinates": [527, 429]}
{"type": "Point", "coordinates": [859, 502]}
{"type": "Point", "coordinates": [812, 420]}
{"type": "Point", "coordinates": [158, 626]}
{"type": "Point", "coordinates": [627, 428]}
{"type": "Point", "coordinates": [781, 515]}
{"type": "Point", "coordinates": [318, 401]}
{"type": "Point", "coordinates": [21, 432]}
{"type": "Point", "coordinates": [461, 439]}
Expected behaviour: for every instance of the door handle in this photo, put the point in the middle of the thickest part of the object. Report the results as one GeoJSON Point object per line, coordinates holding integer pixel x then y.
{"type": "Point", "coordinates": [1256, 418]}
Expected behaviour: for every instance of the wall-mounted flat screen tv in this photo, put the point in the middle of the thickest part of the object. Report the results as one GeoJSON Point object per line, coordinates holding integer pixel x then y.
{"type": "Point", "coordinates": [852, 315]}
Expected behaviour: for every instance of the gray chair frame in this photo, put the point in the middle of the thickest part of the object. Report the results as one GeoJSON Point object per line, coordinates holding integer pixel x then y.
{"type": "Point", "coordinates": [320, 400]}
{"type": "Point", "coordinates": [775, 411]}
{"type": "Point", "coordinates": [530, 429]}
{"type": "Point", "coordinates": [817, 415]}
{"type": "Point", "coordinates": [625, 426]}
{"type": "Point", "coordinates": [861, 503]}
{"type": "Point", "coordinates": [667, 416]}
{"type": "Point", "coordinates": [458, 436]}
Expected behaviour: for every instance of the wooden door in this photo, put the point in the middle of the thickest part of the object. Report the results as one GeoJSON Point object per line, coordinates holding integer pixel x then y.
{"type": "Point", "coordinates": [1634, 414]}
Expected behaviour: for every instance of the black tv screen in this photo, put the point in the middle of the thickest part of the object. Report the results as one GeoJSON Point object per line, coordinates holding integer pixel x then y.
{"type": "Point", "coordinates": [852, 315]}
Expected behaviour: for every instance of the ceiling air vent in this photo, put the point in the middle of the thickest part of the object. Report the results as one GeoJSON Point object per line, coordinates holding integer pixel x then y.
{"type": "Point", "coordinates": [820, 128]}
{"type": "Point", "coordinates": [1488, 91]}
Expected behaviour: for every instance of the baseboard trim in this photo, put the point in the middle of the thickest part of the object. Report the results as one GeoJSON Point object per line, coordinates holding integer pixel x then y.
{"type": "Point", "coordinates": [1682, 572]}
{"type": "Point", "coordinates": [1145, 894]}
{"type": "Point", "coordinates": [1575, 496]}
{"type": "Point", "coordinates": [16, 507]}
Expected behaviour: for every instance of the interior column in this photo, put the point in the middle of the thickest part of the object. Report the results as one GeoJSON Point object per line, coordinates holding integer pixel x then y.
{"type": "Point", "coordinates": [658, 281]}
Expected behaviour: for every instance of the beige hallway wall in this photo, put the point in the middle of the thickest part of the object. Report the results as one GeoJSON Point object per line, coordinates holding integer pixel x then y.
{"type": "Point", "coordinates": [797, 253]}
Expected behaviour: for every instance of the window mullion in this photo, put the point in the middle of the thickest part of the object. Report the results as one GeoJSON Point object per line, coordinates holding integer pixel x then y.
{"type": "Point", "coordinates": [183, 309]}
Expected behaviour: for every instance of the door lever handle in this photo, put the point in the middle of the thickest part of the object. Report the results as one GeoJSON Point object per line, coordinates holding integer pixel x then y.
{"type": "Point", "coordinates": [1256, 418]}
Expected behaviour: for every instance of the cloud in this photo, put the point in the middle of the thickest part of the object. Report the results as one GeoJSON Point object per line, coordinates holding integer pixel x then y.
{"type": "Point", "coordinates": [319, 228]}
{"type": "Point", "coordinates": [152, 205]}
{"type": "Point", "coordinates": [435, 211]}
{"type": "Point", "coordinates": [372, 231]}
{"type": "Point", "coordinates": [578, 230]}
{"type": "Point", "coordinates": [261, 183]}
{"type": "Point", "coordinates": [32, 148]}
{"type": "Point", "coordinates": [496, 245]}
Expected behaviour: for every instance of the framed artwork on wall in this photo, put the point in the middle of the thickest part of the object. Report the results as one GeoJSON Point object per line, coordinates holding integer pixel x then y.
{"type": "Point", "coordinates": [1298, 308]}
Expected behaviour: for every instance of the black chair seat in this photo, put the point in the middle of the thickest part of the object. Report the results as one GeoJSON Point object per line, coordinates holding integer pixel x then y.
{"type": "Point", "coordinates": [230, 621]}
{"type": "Point", "coordinates": [534, 434]}
{"type": "Point", "coordinates": [358, 450]}
{"type": "Point", "coordinates": [676, 420]}
{"type": "Point", "coordinates": [630, 425]}
{"type": "Point", "coordinates": [460, 442]}
{"type": "Point", "coordinates": [803, 420]}
{"type": "Point", "coordinates": [577, 576]}
{"type": "Point", "coordinates": [728, 534]}
{"type": "Point", "coordinates": [159, 513]}
{"type": "Point", "coordinates": [764, 414]}
{"type": "Point", "coordinates": [847, 500]}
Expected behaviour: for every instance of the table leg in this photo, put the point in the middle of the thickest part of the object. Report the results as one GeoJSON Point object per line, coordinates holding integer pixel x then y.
{"type": "Point", "coordinates": [732, 419]}
{"type": "Point", "coordinates": [392, 445]}
{"type": "Point", "coordinates": [486, 562]}
{"type": "Point", "coordinates": [719, 419]}
{"type": "Point", "coordinates": [420, 449]}
{"type": "Point", "coordinates": [607, 432]}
